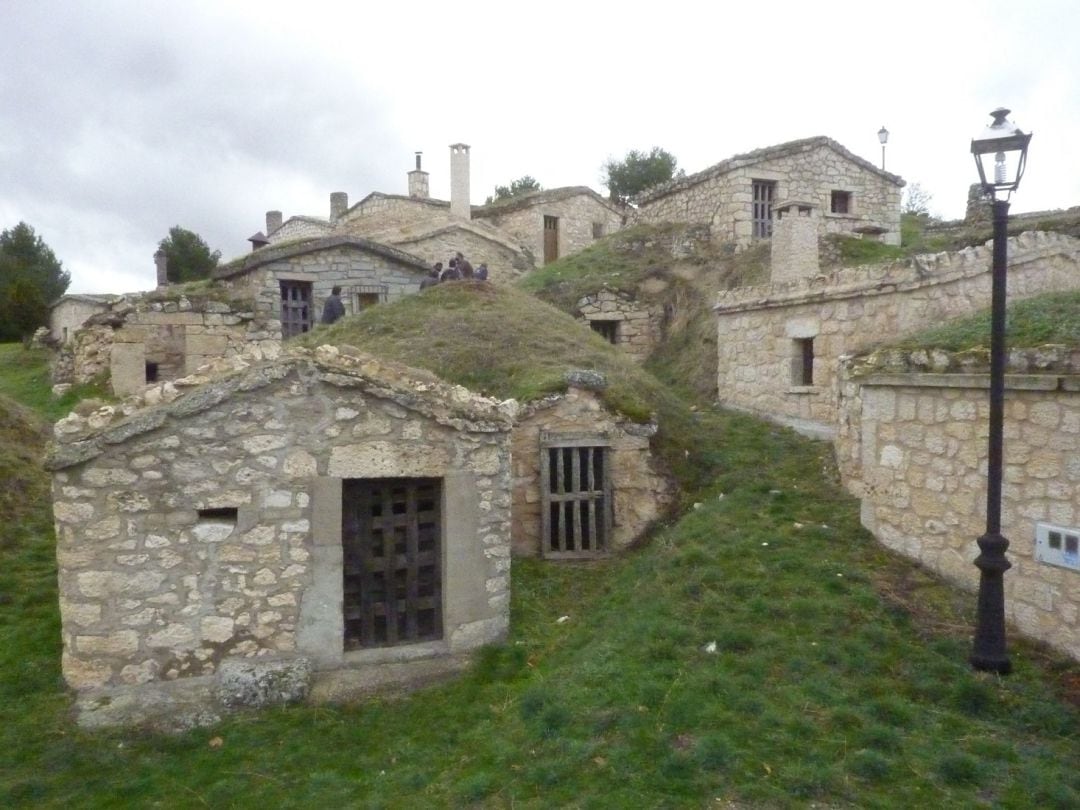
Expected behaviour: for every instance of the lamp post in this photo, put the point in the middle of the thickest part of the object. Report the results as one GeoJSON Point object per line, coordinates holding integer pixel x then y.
{"type": "Point", "coordinates": [1009, 146]}
{"type": "Point", "coordinates": [883, 138]}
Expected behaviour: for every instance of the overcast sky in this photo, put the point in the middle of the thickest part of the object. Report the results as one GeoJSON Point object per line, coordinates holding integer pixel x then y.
{"type": "Point", "coordinates": [121, 119]}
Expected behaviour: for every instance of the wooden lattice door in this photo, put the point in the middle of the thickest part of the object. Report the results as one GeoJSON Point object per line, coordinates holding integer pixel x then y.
{"type": "Point", "coordinates": [391, 529]}
{"type": "Point", "coordinates": [296, 316]}
{"type": "Point", "coordinates": [576, 514]}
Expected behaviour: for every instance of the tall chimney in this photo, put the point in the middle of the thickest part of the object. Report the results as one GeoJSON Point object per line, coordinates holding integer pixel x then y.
{"type": "Point", "coordinates": [794, 243]}
{"type": "Point", "coordinates": [418, 181]}
{"type": "Point", "coordinates": [460, 207]}
{"type": "Point", "coordinates": [339, 204]}
{"type": "Point", "coordinates": [161, 265]}
{"type": "Point", "coordinates": [273, 222]}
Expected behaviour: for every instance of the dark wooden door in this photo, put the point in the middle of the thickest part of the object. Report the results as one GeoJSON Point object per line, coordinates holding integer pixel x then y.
{"type": "Point", "coordinates": [296, 315]}
{"type": "Point", "coordinates": [551, 239]}
{"type": "Point", "coordinates": [392, 562]}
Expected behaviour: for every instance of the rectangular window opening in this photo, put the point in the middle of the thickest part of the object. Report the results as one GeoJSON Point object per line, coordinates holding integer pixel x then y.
{"type": "Point", "coordinates": [369, 295]}
{"type": "Point", "coordinates": [764, 192]}
{"type": "Point", "coordinates": [597, 230]}
{"type": "Point", "coordinates": [392, 561]}
{"type": "Point", "coordinates": [151, 372]}
{"type": "Point", "coordinates": [222, 514]}
{"type": "Point", "coordinates": [802, 362]}
{"type": "Point", "coordinates": [608, 330]}
{"type": "Point", "coordinates": [576, 512]}
{"type": "Point", "coordinates": [840, 202]}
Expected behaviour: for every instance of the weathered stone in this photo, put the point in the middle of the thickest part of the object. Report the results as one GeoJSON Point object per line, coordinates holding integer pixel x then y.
{"type": "Point", "coordinates": [255, 684]}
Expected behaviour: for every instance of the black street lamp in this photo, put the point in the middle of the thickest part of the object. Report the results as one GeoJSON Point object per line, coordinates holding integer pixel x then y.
{"type": "Point", "coordinates": [883, 138]}
{"type": "Point", "coordinates": [1009, 146]}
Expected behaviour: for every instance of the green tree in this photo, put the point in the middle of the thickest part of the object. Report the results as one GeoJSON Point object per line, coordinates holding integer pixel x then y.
{"type": "Point", "coordinates": [638, 171]}
{"type": "Point", "coordinates": [523, 185]}
{"type": "Point", "coordinates": [187, 256]}
{"type": "Point", "coordinates": [31, 277]}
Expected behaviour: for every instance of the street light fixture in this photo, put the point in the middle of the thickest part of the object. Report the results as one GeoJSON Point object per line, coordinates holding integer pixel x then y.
{"type": "Point", "coordinates": [883, 138]}
{"type": "Point", "coordinates": [1009, 146]}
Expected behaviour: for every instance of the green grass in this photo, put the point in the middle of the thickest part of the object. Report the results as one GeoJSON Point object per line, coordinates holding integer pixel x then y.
{"type": "Point", "coordinates": [25, 379]}
{"type": "Point", "coordinates": [760, 650]}
{"type": "Point", "coordinates": [1031, 322]}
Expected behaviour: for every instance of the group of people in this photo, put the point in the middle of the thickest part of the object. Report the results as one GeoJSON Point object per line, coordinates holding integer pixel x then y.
{"type": "Point", "coordinates": [456, 269]}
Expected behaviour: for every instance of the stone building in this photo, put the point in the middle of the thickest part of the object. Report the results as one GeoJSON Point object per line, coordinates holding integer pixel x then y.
{"type": "Point", "coordinates": [71, 312]}
{"type": "Point", "coordinates": [314, 528]}
{"type": "Point", "coordinates": [291, 281]}
{"type": "Point", "coordinates": [779, 345]}
{"type": "Point", "coordinates": [510, 236]}
{"type": "Point", "coordinates": [737, 196]}
{"type": "Point", "coordinates": [912, 446]}
{"type": "Point", "coordinates": [634, 326]}
{"type": "Point", "coordinates": [585, 481]}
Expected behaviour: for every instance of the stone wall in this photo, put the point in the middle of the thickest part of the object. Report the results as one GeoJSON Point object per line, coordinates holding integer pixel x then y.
{"type": "Point", "coordinates": [638, 326]}
{"type": "Point", "coordinates": [576, 213]}
{"type": "Point", "coordinates": [380, 212]}
{"type": "Point", "coordinates": [913, 446]}
{"type": "Point", "coordinates": [201, 537]}
{"type": "Point", "coordinates": [176, 335]}
{"type": "Point", "coordinates": [68, 316]}
{"type": "Point", "coordinates": [846, 311]}
{"type": "Point", "coordinates": [642, 493]}
{"type": "Point", "coordinates": [300, 228]}
{"type": "Point", "coordinates": [504, 262]}
{"type": "Point", "coordinates": [804, 170]}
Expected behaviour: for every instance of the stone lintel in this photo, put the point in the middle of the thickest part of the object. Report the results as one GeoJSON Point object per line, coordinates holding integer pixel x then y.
{"type": "Point", "coordinates": [1014, 382]}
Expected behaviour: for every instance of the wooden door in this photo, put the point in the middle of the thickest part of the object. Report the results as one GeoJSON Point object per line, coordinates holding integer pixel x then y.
{"type": "Point", "coordinates": [551, 239]}
{"type": "Point", "coordinates": [296, 315]}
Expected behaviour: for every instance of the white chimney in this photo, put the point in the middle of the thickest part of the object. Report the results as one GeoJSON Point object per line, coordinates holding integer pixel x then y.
{"type": "Point", "coordinates": [460, 206]}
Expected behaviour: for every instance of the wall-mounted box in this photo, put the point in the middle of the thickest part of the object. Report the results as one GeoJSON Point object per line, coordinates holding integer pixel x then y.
{"type": "Point", "coordinates": [1057, 545]}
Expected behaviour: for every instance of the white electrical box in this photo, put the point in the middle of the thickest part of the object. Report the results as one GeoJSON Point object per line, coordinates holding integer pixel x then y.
{"type": "Point", "coordinates": [1057, 545]}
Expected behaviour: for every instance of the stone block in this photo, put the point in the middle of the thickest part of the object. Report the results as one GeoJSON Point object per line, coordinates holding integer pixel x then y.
{"type": "Point", "coordinates": [255, 684]}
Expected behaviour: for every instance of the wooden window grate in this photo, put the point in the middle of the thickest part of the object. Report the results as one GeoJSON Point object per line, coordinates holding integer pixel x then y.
{"type": "Point", "coordinates": [763, 193]}
{"type": "Point", "coordinates": [295, 308]}
{"type": "Point", "coordinates": [840, 202]}
{"type": "Point", "coordinates": [392, 563]}
{"type": "Point", "coordinates": [576, 514]}
{"type": "Point", "coordinates": [608, 330]}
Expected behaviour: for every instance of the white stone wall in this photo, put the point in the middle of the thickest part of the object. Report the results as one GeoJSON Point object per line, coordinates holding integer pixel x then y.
{"type": "Point", "coordinates": [576, 217]}
{"type": "Point", "coordinates": [914, 450]}
{"type": "Point", "coordinates": [849, 310]}
{"type": "Point", "coordinates": [151, 592]}
{"type": "Point", "coordinates": [68, 317]}
{"type": "Point", "coordinates": [642, 493]}
{"type": "Point", "coordinates": [504, 264]}
{"type": "Point", "coordinates": [380, 212]}
{"type": "Point", "coordinates": [724, 201]}
{"type": "Point", "coordinates": [639, 325]}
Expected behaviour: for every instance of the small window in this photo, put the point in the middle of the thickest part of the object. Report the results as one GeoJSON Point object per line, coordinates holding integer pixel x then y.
{"type": "Point", "coordinates": [1055, 540]}
{"type": "Point", "coordinates": [151, 372]}
{"type": "Point", "coordinates": [840, 202]}
{"type": "Point", "coordinates": [802, 362]}
{"type": "Point", "coordinates": [763, 193]}
{"type": "Point", "coordinates": [65, 334]}
{"type": "Point", "coordinates": [224, 514]}
{"type": "Point", "coordinates": [608, 330]}
{"type": "Point", "coordinates": [368, 295]}
{"type": "Point", "coordinates": [597, 230]}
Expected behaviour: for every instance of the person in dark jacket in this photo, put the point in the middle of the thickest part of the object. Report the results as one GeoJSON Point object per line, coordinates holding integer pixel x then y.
{"type": "Point", "coordinates": [463, 266]}
{"type": "Point", "coordinates": [333, 309]}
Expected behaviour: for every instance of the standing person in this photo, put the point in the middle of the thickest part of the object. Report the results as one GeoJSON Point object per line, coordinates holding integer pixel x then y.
{"type": "Point", "coordinates": [333, 309]}
{"type": "Point", "coordinates": [463, 266]}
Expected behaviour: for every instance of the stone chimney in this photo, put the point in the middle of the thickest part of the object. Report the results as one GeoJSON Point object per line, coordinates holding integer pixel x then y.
{"type": "Point", "coordinates": [418, 181]}
{"type": "Point", "coordinates": [273, 222]}
{"type": "Point", "coordinates": [161, 265]}
{"type": "Point", "coordinates": [258, 240]}
{"type": "Point", "coordinates": [339, 204]}
{"type": "Point", "coordinates": [794, 243]}
{"type": "Point", "coordinates": [460, 206]}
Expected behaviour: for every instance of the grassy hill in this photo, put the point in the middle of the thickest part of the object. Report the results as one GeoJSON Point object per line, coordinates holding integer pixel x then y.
{"type": "Point", "coordinates": [761, 651]}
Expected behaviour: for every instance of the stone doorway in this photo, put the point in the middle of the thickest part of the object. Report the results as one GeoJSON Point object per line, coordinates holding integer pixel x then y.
{"type": "Point", "coordinates": [551, 239]}
{"type": "Point", "coordinates": [392, 561]}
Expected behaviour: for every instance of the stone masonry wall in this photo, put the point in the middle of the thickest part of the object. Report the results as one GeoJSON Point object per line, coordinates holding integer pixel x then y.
{"type": "Point", "coordinates": [642, 493]}
{"type": "Point", "coordinates": [913, 448]}
{"type": "Point", "coordinates": [576, 217]}
{"type": "Point", "coordinates": [724, 201]}
{"type": "Point", "coordinates": [639, 325]}
{"type": "Point", "coordinates": [381, 213]}
{"type": "Point", "coordinates": [504, 264]}
{"type": "Point", "coordinates": [848, 310]}
{"type": "Point", "coordinates": [300, 228]}
{"type": "Point", "coordinates": [154, 591]}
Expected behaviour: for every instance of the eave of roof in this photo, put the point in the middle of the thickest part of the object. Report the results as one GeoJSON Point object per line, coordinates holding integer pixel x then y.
{"type": "Point", "coordinates": [300, 247]}
{"type": "Point", "coordinates": [523, 201]}
{"type": "Point", "coordinates": [757, 156]}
